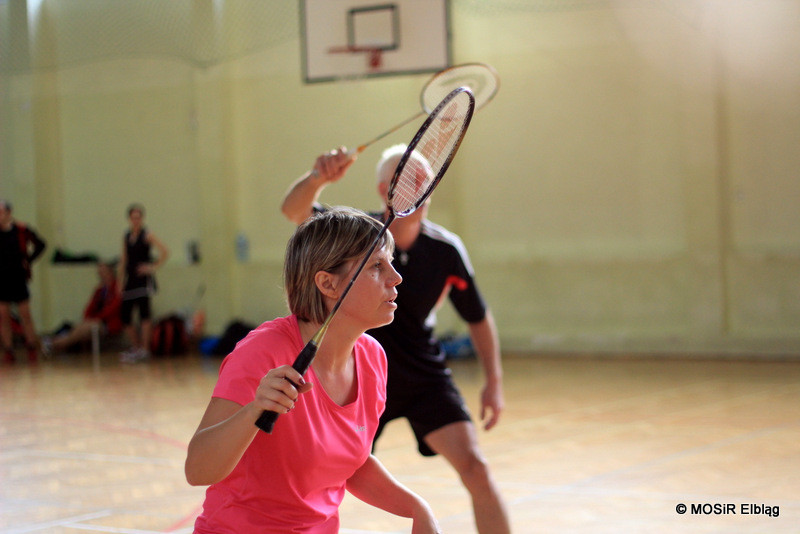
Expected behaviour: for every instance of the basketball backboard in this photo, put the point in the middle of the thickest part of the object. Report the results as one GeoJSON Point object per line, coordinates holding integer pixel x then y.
{"type": "Point", "coordinates": [344, 39]}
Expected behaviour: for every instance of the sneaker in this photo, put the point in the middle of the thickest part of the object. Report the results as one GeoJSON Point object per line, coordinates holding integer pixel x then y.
{"type": "Point", "coordinates": [47, 346]}
{"type": "Point", "coordinates": [128, 356]}
{"type": "Point", "coordinates": [134, 355]}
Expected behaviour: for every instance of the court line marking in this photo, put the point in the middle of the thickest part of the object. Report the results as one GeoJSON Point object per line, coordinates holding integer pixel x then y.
{"type": "Point", "coordinates": [113, 429]}
{"type": "Point", "coordinates": [67, 521]}
{"type": "Point", "coordinates": [107, 427]}
{"type": "Point", "coordinates": [99, 457]}
{"type": "Point", "coordinates": [114, 530]}
{"type": "Point", "coordinates": [685, 453]}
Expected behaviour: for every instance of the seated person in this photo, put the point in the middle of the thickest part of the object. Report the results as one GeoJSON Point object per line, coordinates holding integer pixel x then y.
{"type": "Point", "coordinates": [102, 311]}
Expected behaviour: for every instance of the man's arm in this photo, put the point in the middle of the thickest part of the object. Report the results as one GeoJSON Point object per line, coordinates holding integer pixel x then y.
{"type": "Point", "coordinates": [487, 345]}
{"type": "Point", "coordinates": [298, 203]}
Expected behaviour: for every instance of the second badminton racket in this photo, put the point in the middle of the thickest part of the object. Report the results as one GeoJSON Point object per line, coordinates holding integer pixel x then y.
{"type": "Point", "coordinates": [481, 79]}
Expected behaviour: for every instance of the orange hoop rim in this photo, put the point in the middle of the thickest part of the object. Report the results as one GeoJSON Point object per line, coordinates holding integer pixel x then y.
{"type": "Point", "coordinates": [375, 53]}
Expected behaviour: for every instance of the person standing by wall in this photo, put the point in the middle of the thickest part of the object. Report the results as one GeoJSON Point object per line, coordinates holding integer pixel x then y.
{"type": "Point", "coordinates": [19, 247]}
{"type": "Point", "coordinates": [137, 279]}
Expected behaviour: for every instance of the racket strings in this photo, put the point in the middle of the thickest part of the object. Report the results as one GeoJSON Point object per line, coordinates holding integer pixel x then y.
{"type": "Point", "coordinates": [481, 79]}
{"type": "Point", "coordinates": [416, 178]}
{"type": "Point", "coordinates": [433, 151]}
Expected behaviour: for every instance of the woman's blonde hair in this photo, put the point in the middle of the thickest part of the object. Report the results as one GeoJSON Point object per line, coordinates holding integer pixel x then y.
{"type": "Point", "coordinates": [325, 242]}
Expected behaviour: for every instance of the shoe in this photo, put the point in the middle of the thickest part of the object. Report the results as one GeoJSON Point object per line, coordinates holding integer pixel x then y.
{"type": "Point", "coordinates": [47, 346]}
{"type": "Point", "coordinates": [33, 353]}
{"type": "Point", "coordinates": [134, 355]}
{"type": "Point", "coordinates": [128, 356]}
{"type": "Point", "coordinates": [9, 357]}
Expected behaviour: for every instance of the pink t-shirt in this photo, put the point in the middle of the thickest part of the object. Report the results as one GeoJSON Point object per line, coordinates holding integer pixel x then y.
{"type": "Point", "coordinates": [293, 480]}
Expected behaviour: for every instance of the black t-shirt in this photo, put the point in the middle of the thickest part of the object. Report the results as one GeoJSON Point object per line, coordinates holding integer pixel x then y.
{"type": "Point", "coordinates": [435, 267]}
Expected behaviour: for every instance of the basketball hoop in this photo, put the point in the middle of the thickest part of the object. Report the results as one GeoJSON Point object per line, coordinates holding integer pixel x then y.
{"type": "Point", "coordinates": [374, 54]}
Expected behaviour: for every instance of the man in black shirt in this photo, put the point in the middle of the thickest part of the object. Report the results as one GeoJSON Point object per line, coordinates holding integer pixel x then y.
{"type": "Point", "coordinates": [434, 264]}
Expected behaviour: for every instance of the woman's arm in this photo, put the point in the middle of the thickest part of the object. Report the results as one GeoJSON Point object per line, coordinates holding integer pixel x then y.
{"type": "Point", "coordinates": [122, 267]}
{"type": "Point", "coordinates": [227, 428]}
{"type": "Point", "coordinates": [225, 432]}
{"type": "Point", "coordinates": [374, 485]}
{"type": "Point", "coordinates": [163, 254]}
{"type": "Point", "coordinates": [38, 245]}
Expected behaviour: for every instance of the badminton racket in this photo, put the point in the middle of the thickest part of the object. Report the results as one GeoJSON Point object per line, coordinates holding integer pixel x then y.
{"type": "Point", "coordinates": [419, 171]}
{"type": "Point", "coordinates": [481, 79]}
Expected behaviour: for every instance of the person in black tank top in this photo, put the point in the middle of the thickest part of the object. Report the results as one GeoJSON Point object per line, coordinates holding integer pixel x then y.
{"type": "Point", "coordinates": [19, 247]}
{"type": "Point", "coordinates": [434, 265]}
{"type": "Point", "coordinates": [137, 282]}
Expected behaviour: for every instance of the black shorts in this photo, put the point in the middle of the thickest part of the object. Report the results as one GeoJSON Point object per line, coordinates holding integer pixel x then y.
{"type": "Point", "coordinates": [126, 309]}
{"type": "Point", "coordinates": [13, 289]}
{"type": "Point", "coordinates": [427, 407]}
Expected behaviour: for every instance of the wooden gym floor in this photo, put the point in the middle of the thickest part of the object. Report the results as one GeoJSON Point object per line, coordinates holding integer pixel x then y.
{"type": "Point", "coordinates": [586, 445]}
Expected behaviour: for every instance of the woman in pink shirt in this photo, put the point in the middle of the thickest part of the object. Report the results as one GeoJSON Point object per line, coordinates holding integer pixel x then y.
{"type": "Point", "coordinates": [293, 480]}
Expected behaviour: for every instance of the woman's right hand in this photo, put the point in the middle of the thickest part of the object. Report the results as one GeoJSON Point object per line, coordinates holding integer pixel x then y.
{"type": "Point", "coordinates": [280, 389]}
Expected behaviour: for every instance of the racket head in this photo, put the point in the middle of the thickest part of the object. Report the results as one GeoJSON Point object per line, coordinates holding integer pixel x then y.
{"type": "Point", "coordinates": [430, 152]}
{"type": "Point", "coordinates": [479, 78]}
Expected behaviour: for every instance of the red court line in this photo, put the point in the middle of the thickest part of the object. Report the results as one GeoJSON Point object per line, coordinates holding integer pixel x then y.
{"type": "Point", "coordinates": [105, 427]}
{"type": "Point", "coordinates": [186, 519]}
{"type": "Point", "coordinates": [120, 430]}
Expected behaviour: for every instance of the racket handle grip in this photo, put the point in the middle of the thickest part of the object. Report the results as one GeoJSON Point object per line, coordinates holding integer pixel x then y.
{"type": "Point", "coordinates": [266, 421]}
{"type": "Point", "coordinates": [306, 356]}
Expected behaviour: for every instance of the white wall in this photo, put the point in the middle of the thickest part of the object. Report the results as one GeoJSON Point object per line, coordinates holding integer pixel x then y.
{"type": "Point", "coordinates": [633, 186]}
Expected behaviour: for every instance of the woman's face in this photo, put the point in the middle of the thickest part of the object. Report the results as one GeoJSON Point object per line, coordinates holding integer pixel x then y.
{"type": "Point", "coordinates": [370, 303]}
{"type": "Point", "coordinates": [135, 218]}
